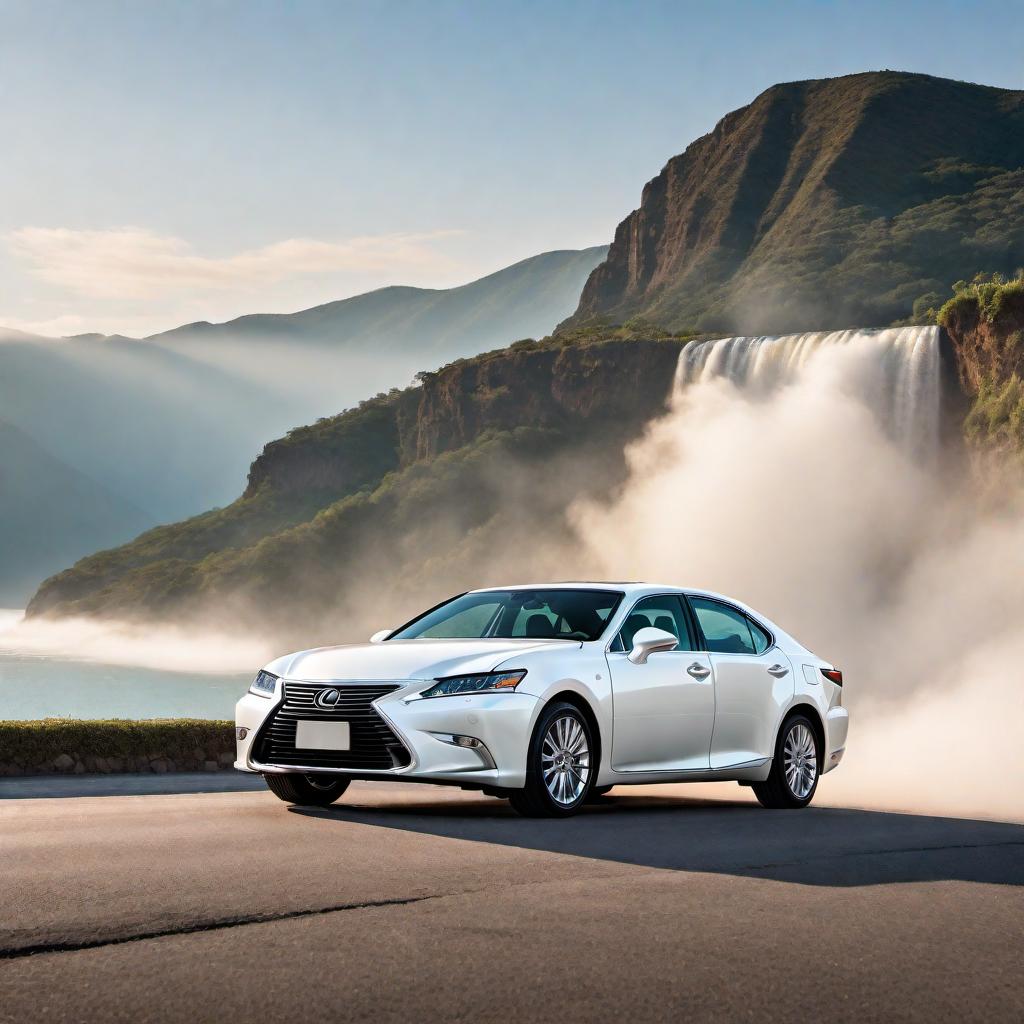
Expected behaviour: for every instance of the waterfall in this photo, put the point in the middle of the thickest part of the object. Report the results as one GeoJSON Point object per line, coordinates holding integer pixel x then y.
{"type": "Point", "coordinates": [905, 395]}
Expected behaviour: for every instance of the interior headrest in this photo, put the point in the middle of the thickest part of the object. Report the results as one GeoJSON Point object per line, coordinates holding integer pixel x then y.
{"type": "Point", "coordinates": [665, 622]}
{"type": "Point", "coordinates": [539, 626]}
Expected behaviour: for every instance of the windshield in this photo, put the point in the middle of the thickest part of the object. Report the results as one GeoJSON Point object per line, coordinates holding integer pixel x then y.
{"type": "Point", "coordinates": [538, 614]}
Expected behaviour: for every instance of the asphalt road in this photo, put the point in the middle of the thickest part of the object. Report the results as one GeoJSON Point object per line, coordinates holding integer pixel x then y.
{"type": "Point", "coordinates": [415, 903]}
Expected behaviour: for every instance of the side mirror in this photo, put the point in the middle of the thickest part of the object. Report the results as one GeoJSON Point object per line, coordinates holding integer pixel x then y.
{"type": "Point", "coordinates": [648, 641]}
{"type": "Point", "coordinates": [380, 635]}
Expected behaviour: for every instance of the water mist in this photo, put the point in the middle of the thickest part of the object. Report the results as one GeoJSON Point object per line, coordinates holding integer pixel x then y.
{"type": "Point", "coordinates": [803, 474]}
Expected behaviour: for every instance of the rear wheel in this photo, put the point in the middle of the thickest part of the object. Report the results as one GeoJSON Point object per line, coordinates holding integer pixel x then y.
{"type": "Point", "coordinates": [795, 767]}
{"type": "Point", "coordinates": [559, 766]}
{"type": "Point", "coordinates": [315, 790]}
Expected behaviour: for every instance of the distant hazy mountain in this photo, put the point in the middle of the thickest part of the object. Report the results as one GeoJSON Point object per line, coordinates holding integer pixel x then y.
{"type": "Point", "coordinates": [524, 300]}
{"type": "Point", "coordinates": [156, 427]}
{"type": "Point", "coordinates": [168, 425]}
{"type": "Point", "coordinates": [824, 204]}
{"type": "Point", "coordinates": [51, 515]}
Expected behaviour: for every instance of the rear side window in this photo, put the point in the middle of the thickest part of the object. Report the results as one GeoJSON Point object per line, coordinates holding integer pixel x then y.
{"type": "Point", "coordinates": [665, 613]}
{"type": "Point", "coordinates": [726, 630]}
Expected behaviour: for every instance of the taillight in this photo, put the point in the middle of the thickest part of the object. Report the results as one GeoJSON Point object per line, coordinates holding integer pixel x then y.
{"type": "Point", "coordinates": [833, 675]}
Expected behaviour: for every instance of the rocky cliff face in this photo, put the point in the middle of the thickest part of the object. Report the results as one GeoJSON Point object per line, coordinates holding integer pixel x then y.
{"type": "Point", "coordinates": [823, 204]}
{"type": "Point", "coordinates": [988, 349]}
{"type": "Point", "coordinates": [619, 384]}
{"type": "Point", "coordinates": [985, 325]}
{"type": "Point", "coordinates": [609, 388]}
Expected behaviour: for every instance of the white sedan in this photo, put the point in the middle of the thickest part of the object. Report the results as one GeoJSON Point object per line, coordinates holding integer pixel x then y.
{"type": "Point", "coordinates": [549, 695]}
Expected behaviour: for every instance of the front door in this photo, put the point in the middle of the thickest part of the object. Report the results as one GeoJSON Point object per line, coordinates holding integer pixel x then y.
{"type": "Point", "coordinates": [664, 709]}
{"type": "Point", "coordinates": [753, 683]}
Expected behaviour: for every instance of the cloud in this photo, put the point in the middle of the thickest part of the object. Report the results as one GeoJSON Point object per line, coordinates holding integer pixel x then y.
{"type": "Point", "coordinates": [133, 263]}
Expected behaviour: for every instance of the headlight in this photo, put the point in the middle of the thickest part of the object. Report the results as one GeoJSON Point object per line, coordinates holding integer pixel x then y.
{"type": "Point", "coordinates": [264, 685]}
{"type": "Point", "coordinates": [491, 682]}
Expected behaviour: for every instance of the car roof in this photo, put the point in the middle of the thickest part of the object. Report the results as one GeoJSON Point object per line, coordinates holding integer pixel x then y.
{"type": "Point", "coordinates": [627, 586]}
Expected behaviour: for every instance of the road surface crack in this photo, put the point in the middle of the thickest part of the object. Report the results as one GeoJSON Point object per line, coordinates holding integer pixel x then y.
{"type": "Point", "coordinates": [219, 924]}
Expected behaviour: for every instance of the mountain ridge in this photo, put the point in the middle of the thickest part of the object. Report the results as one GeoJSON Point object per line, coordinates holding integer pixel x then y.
{"type": "Point", "coordinates": [823, 204]}
{"type": "Point", "coordinates": [544, 270]}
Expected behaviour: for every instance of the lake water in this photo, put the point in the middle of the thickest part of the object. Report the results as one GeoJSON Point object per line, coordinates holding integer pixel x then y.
{"type": "Point", "coordinates": [87, 672]}
{"type": "Point", "coordinates": [42, 687]}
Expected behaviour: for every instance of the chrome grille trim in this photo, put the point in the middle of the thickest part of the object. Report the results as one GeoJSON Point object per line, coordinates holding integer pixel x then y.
{"type": "Point", "coordinates": [374, 745]}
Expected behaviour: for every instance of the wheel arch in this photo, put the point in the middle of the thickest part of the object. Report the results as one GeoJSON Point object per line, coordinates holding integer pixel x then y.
{"type": "Point", "coordinates": [803, 707]}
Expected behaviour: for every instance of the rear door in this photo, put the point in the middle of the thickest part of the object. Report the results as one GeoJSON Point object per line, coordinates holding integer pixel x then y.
{"type": "Point", "coordinates": [753, 682]}
{"type": "Point", "coordinates": [664, 709]}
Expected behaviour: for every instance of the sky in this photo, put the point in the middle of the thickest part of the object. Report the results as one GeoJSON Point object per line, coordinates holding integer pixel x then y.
{"type": "Point", "coordinates": [178, 161]}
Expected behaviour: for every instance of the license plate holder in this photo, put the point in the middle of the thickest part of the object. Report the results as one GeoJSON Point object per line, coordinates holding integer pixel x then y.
{"type": "Point", "coordinates": [322, 735]}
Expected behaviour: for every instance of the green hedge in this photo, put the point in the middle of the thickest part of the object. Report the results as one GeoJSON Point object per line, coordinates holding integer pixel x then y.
{"type": "Point", "coordinates": [76, 746]}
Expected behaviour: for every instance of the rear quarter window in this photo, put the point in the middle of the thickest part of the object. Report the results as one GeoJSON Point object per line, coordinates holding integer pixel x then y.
{"type": "Point", "coordinates": [762, 641]}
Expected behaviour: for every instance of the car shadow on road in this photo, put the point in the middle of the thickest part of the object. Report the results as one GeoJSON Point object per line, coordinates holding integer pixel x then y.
{"type": "Point", "coordinates": [817, 846]}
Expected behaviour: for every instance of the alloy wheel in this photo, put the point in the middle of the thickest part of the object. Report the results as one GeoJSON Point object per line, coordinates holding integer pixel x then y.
{"type": "Point", "coordinates": [800, 760]}
{"type": "Point", "coordinates": [565, 760]}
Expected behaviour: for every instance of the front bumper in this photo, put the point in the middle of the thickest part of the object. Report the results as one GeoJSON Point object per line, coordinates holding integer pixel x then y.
{"type": "Point", "coordinates": [502, 722]}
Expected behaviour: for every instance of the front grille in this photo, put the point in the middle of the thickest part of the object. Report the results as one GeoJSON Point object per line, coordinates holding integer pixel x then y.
{"type": "Point", "coordinates": [372, 744]}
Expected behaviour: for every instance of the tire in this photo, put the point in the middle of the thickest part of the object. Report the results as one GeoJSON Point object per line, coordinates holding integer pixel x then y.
{"type": "Point", "coordinates": [310, 790]}
{"type": "Point", "coordinates": [597, 792]}
{"type": "Point", "coordinates": [797, 746]}
{"type": "Point", "coordinates": [561, 751]}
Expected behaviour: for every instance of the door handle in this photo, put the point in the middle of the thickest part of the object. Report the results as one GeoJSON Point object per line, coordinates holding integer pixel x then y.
{"type": "Point", "coordinates": [778, 671]}
{"type": "Point", "coordinates": [699, 671]}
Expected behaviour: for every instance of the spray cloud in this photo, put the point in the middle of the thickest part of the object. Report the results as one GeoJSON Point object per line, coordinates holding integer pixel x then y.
{"type": "Point", "coordinates": [803, 476]}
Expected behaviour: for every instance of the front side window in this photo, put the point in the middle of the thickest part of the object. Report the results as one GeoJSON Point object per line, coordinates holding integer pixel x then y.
{"type": "Point", "coordinates": [726, 630]}
{"type": "Point", "coordinates": [533, 614]}
{"type": "Point", "coordinates": [661, 612]}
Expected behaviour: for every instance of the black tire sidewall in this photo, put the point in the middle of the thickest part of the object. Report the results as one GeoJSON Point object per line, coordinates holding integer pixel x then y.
{"type": "Point", "coordinates": [295, 788]}
{"type": "Point", "coordinates": [534, 774]}
{"type": "Point", "coordinates": [788, 726]}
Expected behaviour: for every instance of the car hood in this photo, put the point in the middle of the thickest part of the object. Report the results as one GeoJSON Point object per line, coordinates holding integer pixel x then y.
{"type": "Point", "coordinates": [404, 659]}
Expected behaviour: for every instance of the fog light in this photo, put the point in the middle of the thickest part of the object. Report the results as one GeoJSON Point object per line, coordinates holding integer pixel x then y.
{"type": "Point", "coordinates": [241, 732]}
{"type": "Point", "coordinates": [470, 743]}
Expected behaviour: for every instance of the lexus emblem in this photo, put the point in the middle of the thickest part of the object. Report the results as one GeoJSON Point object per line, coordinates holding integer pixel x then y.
{"type": "Point", "coordinates": [327, 699]}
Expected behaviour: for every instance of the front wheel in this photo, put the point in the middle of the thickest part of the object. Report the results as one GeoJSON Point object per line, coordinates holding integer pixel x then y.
{"type": "Point", "coordinates": [560, 765]}
{"type": "Point", "coordinates": [314, 790]}
{"type": "Point", "coordinates": [795, 767]}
